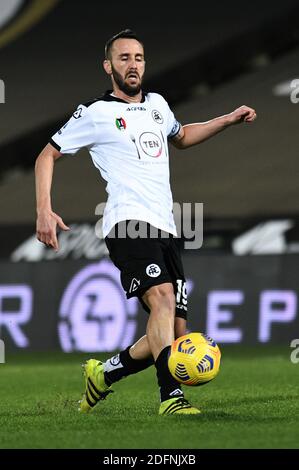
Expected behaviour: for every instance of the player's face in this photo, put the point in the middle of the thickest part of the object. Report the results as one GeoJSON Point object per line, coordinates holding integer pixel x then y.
{"type": "Point", "coordinates": [127, 65]}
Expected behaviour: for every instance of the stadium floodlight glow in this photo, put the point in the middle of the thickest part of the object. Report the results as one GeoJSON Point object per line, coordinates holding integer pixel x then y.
{"type": "Point", "coordinates": [8, 10]}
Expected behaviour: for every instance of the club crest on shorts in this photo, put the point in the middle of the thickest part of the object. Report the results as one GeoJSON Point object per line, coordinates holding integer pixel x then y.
{"type": "Point", "coordinates": [153, 270]}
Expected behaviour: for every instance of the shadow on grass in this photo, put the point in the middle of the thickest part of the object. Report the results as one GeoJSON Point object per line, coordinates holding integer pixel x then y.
{"type": "Point", "coordinates": [223, 416]}
{"type": "Point", "coordinates": [218, 416]}
{"type": "Point", "coordinates": [260, 400]}
{"type": "Point", "coordinates": [254, 415]}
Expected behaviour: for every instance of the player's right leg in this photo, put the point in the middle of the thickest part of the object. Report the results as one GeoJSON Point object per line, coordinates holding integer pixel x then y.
{"type": "Point", "coordinates": [160, 334]}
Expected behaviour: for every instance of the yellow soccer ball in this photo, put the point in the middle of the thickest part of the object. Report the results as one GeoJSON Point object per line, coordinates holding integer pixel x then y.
{"type": "Point", "coordinates": [194, 359]}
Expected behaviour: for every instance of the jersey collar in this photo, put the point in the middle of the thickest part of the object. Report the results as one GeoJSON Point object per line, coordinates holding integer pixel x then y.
{"type": "Point", "coordinates": [108, 97]}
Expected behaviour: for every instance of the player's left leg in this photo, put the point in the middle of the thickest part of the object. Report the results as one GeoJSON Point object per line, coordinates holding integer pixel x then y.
{"type": "Point", "coordinates": [135, 358]}
{"type": "Point", "coordinates": [100, 376]}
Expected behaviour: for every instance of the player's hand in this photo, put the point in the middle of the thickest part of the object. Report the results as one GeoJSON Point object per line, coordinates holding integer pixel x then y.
{"type": "Point", "coordinates": [242, 114]}
{"type": "Point", "coordinates": [46, 225]}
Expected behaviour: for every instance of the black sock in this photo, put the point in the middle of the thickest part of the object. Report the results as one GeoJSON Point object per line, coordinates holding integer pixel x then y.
{"type": "Point", "coordinates": [122, 365]}
{"type": "Point", "coordinates": [169, 387]}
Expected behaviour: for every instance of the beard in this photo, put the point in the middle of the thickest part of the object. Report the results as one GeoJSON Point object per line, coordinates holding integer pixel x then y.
{"type": "Point", "coordinates": [130, 90]}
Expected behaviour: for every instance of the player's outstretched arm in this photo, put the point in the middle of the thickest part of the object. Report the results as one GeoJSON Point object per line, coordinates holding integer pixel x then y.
{"type": "Point", "coordinates": [47, 220]}
{"type": "Point", "coordinates": [193, 134]}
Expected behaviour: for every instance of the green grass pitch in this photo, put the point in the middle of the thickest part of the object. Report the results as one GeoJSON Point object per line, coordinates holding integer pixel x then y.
{"type": "Point", "coordinates": [253, 403]}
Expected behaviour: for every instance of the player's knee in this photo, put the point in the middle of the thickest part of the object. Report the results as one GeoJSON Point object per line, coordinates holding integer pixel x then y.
{"type": "Point", "coordinates": [161, 298]}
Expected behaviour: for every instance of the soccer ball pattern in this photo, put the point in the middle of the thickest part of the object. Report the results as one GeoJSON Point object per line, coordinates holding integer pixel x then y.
{"type": "Point", "coordinates": [194, 359]}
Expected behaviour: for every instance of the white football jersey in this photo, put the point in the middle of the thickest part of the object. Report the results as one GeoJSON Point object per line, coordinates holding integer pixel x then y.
{"type": "Point", "coordinates": [128, 145]}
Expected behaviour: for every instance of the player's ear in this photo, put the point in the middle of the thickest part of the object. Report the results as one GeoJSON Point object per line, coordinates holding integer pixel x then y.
{"type": "Point", "coordinates": [107, 66]}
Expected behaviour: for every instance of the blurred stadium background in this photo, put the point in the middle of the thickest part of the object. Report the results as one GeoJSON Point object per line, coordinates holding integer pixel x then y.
{"type": "Point", "coordinates": [243, 282]}
{"type": "Point", "coordinates": [206, 58]}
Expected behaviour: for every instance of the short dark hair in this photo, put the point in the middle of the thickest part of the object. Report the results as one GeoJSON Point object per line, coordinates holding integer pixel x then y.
{"type": "Point", "coordinates": [126, 33]}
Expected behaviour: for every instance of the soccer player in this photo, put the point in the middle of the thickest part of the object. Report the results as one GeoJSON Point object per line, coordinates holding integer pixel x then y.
{"type": "Point", "coordinates": [126, 132]}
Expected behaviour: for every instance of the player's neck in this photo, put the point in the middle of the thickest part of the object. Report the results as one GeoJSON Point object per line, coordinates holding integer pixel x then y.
{"type": "Point", "coordinates": [130, 99]}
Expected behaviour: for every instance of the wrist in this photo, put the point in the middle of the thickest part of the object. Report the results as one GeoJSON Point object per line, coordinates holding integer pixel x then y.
{"type": "Point", "coordinates": [227, 120]}
{"type": "Point", "coordinates": [43, 210]}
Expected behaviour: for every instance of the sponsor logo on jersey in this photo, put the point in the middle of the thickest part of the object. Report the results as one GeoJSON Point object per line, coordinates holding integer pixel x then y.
{"type": "Point", "coordinates": [157, 116]}
{"type": "Point", "coordinates": [151, 144]}
{"type": "Point", "coordinates": [153, 270]}
{"type": "Point", "coordinates": [120, 123]}
{"type": "Point", "coordinates": [136, 108]}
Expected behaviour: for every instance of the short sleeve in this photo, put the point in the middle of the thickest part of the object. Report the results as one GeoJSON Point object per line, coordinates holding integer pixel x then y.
{"type": "Point", "coordinates": [77, 133]}
{"type": "Point", "coordinates": [173, 126]}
